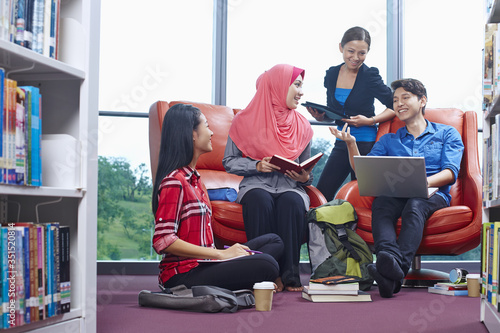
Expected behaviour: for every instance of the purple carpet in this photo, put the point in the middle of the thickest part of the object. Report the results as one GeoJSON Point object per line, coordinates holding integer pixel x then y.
{"type": "Point", "coordinates": [412, 310]}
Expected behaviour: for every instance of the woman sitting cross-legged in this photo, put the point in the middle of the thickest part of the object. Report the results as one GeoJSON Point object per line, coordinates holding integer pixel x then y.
{"type": "Point", "coordinates": [183, 230]}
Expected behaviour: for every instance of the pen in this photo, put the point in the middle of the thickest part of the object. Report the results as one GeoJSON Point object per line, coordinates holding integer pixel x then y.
{"type": "Point", "coordinates": [251, 251]}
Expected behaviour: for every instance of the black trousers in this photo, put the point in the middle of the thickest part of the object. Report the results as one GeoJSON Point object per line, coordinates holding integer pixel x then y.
{"type": "Point", "coordinates": [284, 215]}
{"type": "Point", "coordinates": [413, 212]}
{"type": "Point", "coordinates": [338, 167]}
{"type": "Point", "coordinates": [240, 273]}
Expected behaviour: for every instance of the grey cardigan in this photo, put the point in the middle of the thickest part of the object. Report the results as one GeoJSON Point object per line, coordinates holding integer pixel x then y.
{"type": "Point", "coordinates": [273, 182]}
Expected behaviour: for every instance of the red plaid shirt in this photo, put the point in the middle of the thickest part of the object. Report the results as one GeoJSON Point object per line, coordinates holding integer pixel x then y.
{"type": "Point", "coordinates": [183, 213]}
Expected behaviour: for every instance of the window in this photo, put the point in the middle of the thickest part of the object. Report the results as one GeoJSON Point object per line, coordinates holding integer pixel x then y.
{"type": "Point", "coordinates": [164, 54]}
{"type": "Point", "coordinates": [449, 65]}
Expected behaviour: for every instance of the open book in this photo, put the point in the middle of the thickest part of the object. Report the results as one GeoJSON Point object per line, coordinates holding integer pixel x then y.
{"type": "Point", "coordinates": [285, 164]}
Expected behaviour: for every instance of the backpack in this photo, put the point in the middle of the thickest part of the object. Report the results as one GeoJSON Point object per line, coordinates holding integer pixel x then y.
{"type": "Point", "coordinates": [198, 299]}
{"type": "Point", "coordinates": [334, 246]}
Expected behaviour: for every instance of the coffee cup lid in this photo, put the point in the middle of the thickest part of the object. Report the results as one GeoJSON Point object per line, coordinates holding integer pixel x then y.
{"type": "Point", "coordinates": [263, 285]}
{"type": "Point", "coordinates": [473, 276]}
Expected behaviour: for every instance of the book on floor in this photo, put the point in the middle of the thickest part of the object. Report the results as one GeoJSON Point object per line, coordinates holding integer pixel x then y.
{"type": "Point", "coordinates": [340, 286]}
{"type": "Point", "coordinates": [435, 290]}
{"type": "Point", "coordinates": [450, 286]}
{"type": "Point", "coordinates": [285, 164]}
{"type": "Point", "coordinates": [311, 291]}
{"type": "Point", "coordinates": [361, 296]}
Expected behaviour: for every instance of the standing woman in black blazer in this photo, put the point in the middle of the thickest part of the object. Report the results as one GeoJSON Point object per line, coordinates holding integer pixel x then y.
{"type": "Point", "coordinates": [351, 88]}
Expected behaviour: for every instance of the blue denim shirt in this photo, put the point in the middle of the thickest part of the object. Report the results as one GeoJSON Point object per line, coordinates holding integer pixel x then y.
{"type": "Point", "coordinates": [440, 145]}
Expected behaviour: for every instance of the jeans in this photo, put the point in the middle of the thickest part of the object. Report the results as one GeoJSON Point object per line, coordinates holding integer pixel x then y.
{"type": "Point", "coordinates": [413, 212]}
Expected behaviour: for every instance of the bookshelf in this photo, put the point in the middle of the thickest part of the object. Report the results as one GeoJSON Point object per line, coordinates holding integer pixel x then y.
{"type": "Point", "coordinates": [69, 88]}
{"type": "Point", "coordinates": [489, 314]}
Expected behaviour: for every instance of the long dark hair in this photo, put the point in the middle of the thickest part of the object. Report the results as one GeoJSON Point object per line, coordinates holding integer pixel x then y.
{"type": "Point", "coordinates": [176, 146]}
{"type": "Point", "coordinates": [356, 33]}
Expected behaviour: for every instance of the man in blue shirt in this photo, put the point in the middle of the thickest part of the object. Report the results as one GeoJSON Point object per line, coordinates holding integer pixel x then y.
{"type": "Point", "coordinates": [442, 148]}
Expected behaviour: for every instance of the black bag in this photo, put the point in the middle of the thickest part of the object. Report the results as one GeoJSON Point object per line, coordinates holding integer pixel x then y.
{"type": "Point", "coordinates": [334, 246]}
{"type": "Point", "coordinates": [198, 299]}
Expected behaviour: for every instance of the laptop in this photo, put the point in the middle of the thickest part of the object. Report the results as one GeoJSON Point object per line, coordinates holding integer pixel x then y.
{"type": "Point", "coordinates": [392, 176]}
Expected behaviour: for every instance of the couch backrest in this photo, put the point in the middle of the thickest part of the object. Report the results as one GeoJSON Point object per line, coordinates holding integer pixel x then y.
{"type": "Point", "coordinates": [466, 124]}
{"type": "Point", "coordinates": [210, 164]}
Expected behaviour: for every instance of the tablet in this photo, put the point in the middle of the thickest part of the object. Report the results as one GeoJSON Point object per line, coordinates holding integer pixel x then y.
{"type": "Point", "coordinates": [331, 113]}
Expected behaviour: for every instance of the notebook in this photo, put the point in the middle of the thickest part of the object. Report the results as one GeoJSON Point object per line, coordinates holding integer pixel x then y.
{"type": "Point", "coordinates": [392, 176]}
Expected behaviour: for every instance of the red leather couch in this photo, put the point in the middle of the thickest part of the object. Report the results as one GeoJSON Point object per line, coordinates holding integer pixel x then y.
{"type": "Point", "coordinates": [227, 216]}
{"type": "Point", "coordinates": [452, 230]}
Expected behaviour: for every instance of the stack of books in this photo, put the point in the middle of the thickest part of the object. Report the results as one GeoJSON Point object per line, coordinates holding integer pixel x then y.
{"type": "Point", "coordinates": [448, 288]}
{"type": "Point", "coordinates": [340, 292]}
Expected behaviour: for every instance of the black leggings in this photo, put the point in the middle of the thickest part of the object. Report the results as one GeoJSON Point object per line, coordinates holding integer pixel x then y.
{"type": "Point", "coordinates": [240, 273]}
{"type": "Point", "coordinates": [283, 214]}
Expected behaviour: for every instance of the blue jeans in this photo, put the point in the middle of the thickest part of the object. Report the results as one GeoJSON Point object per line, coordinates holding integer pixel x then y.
{"type": "Point", "coordinates": [413, 212]}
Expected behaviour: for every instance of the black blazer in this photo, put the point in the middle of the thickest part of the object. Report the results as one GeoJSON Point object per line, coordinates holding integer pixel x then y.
{"type": "Point", "coordinates": [367, 87]}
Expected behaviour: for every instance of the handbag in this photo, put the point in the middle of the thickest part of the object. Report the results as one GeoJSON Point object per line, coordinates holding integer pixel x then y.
{"type": "Point", "coordinates": [198, 299]}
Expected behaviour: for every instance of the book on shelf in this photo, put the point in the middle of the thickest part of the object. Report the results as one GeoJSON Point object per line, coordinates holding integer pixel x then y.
{"type": "Point", "coordinates": [33, 24]}
{"type": "Point", "coordinates": [36, 259]}
{"type": "Point", "coordinates": [484, 258]}
{"type": "Point", "coordinates": [2, 131]}
{"type": "Point", "coordinates": [311, 291]}
{"type": "Point", "coordinates": [286, 164]}
{"type": "Point", "coordinates": [64, 246]}
{"type": "Point", "coordinates": [361, 296]}
{"type": "Point", "coordinates": [488, 82]}
{"type": "Point", "coordinates": [493, 263]}
{"type": "Point", "coordinates": [457, 292]}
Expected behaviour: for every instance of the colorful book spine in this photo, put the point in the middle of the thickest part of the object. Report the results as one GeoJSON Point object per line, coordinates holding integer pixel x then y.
{"type": "Point", "coordinates": [20, 22]}
{"type": "Point", "coordinates": [485, 258]}
{"type": "Point", "coordinates": [2, 156]}
{"type": "Point", "coordinates": [27, 286]}
{"type": "Point", "coordinates": [11, 153]}
{"type": "Point", "coordinates": [46, 27]}
{"type": "Point", "coordinates": [64, 246]}
{"type": "Point", "coordinates": [5, 281]}
{"type": "Point", "coordinates": [20, 141]}
{"type": "Point", "coordinates": [19, 277]}
{"type": "Point", "coordinates": [5, 134]}
{"type": "Point", "coordinates": [57, 270]}
{"type": "Point", "coordinates": [33, 275]}
{"type": "Point", "coordinates": [33, 103]}
{"type": "Point", "coordinates": [28, 29]}
{"type": "Point", "coordinates": [50, 271]}
{"type": "Point", "coordinates": [41, 270]}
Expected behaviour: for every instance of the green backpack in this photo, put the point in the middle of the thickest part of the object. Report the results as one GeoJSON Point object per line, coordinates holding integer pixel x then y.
{"type": "Point", "coordinates": [334, 246]}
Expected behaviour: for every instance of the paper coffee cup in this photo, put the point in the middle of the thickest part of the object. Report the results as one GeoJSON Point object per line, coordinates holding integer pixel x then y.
{"type": "Point", "coordinates": [473, 285]}
{"type": "Point", "coordinates": [263, 292]}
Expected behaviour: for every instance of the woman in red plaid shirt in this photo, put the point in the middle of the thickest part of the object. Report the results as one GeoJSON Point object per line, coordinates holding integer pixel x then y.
{"type": "Point", "coordinates": [183, 230]}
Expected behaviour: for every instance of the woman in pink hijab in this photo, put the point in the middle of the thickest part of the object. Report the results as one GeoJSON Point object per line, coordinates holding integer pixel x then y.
{"type": "Point", "coordinates": [273, 202]}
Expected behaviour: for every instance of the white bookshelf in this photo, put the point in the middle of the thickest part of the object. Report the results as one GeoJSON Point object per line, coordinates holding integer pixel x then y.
{"type": "Point", "coordinates": [69, 88]}
{"type": "Point", "coordinates": [489, 314]}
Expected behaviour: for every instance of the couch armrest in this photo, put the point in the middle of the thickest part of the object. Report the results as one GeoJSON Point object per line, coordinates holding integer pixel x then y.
{"type": "Point", "coordinates": [317, 198]}
{"type": "Point", "coordinates": [350, 192]}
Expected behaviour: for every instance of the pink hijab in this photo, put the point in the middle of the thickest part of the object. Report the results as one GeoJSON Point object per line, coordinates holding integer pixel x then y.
{"type": "Point", "coordinates": [267, 126]}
